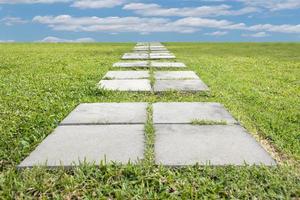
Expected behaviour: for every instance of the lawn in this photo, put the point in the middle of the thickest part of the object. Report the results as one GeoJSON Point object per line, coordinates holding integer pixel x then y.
{"type": "Point", "coordinates": [258, 83]}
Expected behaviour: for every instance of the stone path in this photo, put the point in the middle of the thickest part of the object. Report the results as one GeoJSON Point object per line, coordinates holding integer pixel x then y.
{"type": "Point", "coordinates": [186, 133]}
{"type": "Point", "coordinates": [185, 81]}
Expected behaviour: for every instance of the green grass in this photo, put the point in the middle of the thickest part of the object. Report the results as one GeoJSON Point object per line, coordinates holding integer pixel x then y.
{"type": "Point", "coordinates": [258, 83]}
{"type": "Point", "coordinates": [198, 122]}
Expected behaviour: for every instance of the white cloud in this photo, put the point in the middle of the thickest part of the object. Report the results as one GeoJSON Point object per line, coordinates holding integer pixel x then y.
{"type": "Point", "coordinates": [31, 1]}
{"type": "Point", "coordinates": [157, 10]}
{"type": "Point", "coordinates": [256, 35]}
{"type": "Point", "coordinates": [84, 4]}
{"type": "Point", "coordinates": [112, 24]}
{"type": "Point", "coordinates": [6, 41]}
{"type": "Point", "coordinates": [10, 21]}
{"type": "Point", "coordinates": [217, 33]}
{"type": "Point", "coordinates": [51, 39]}
{"type": "Point", "coordinates": [150, 25]}
{"type": "Point", "coordinates": [273, 4]}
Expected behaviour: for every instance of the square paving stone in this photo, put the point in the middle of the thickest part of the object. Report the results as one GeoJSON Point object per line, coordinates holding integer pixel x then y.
{"type": "Point", "coordinates": [142, 43]}
{"type": "Point", "coordinates": [169, 75]}
{"type": "Point", "coordinates": [107, 113]}
{"type": "Point", "coordinates": [140, 51]}
{"type": "Point", "coordinates": [141, 48]}
{"type": "Point", "coordinates": [178, 145]}
{"type": "Point", "coordinates": [131, 64]}
{"type": "Point", "coordinates": [132, 56]}
{"type": "Point", "coordinates": [167, 64]}
{"type": "Point", "coordinates": [158, 49]}
{"type": "Point", "coordinates": [162, 56]}
{"type": "Point", "coordinates": [126, 85]}
{"type": "Point", "coordinates": [179, 113]}
{"type": "Point", "coordinates": [180, 85]}
{"type": "Point", "coordinates": [163, 51]}
{"type": "Point", "coordinates": [127, 75]}
{"type": "Point", "coordinates": [71, 145]}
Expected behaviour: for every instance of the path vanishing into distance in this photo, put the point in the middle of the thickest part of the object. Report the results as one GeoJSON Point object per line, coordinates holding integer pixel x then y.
{"type": "Point", "coordinates": [185, 133]}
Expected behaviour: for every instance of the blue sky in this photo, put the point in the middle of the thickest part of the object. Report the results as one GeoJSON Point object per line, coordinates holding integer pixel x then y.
{"type": "Point", "coordinates": [149, 20]}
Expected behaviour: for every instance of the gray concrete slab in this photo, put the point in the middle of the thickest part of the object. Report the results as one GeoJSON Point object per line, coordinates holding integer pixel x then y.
{"type": "Point", "coordinates": [163, 51]}
{"type": "Point", "coordinates": [161, 54]}
{"type": "Point", "coordinates": [140, 51]}
{"type": "Point", "coordinates": [180, 85]}
{"type": "Point", "coordinates": [179, 113]}
{"type": "Point", "coordinates": [158, 49]}
{"type": "Point", "coordinates": [141, 48]}
{"type": "Point", "coordinates": [142, 43]}
{"type": "Point", "coordinates": [127, 75]}
{"type": "Point", "coordinates": [131, 64]}
{"type": "Point", "coordinates": [71, 145]}
{"type": "Point", "coordinates": [171, 75]}
{"type": "Point", "coordinates": [107, 113]}
{"type": "Point", "coordinates": [126, 85]}
{"type": "Point", "coordinates": [167, 64]}
{"type": "Point", "coordinates": [162, 57]}
{"type": "Point", "coordinates": [133, 56]}
{"type": "Point", "coordinates": [178, 145]}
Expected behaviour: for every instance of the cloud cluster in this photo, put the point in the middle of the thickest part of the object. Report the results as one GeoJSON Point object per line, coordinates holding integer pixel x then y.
{"type": "Point", "coordinates": [156, 10]}
{"type": "Point", "coordinates": [273, 5]}
{"type": "Point", "coordinates": [93, 4]}
{"type": "Point", "coordinates": [32, 1]}
{"type": "Point", "coordinates": [149, 25]}
{"type": "Point", "coordinates": [51, 39]}
{"type": "Point", "coordinates": [10, 21]}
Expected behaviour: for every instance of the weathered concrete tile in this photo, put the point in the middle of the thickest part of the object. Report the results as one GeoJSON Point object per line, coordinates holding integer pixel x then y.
{"type": "Point", "coordinates": [71, 145]}
{"type": "Point", "coordinates": [127, 75]}
{"type": "Point", "coordinates": [180, 85]}
{"type": "Point", "coordinates": [171, 75]}
{"type": "Point", "coordinates": [178, 113]}
{"type": "Point", "coordinates": [141, 48]}
{"type": "Point", "coordinates": [107, 113]}
{"type": "Point", "coordinates": [132, 56]}
{"type": "Point", "coordinates": [126, 85]}
{"type": "Point", "coordinates": [142, 43]}
{"type": "Point", "coordinates": [162, 56]}
{"type": "Point", "coordinates": [167, 64]}
{"type": "Point", "coordinates": [178, 145]}
{"type": "Point", "coordinates": [158, 49]}
{"type": "Point", "coordinates": [131, 64]}
{"type": "Point", "coordinates": [162, 51]}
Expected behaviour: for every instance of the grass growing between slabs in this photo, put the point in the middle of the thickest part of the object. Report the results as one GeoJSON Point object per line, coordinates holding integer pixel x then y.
{"type": "Point", "coordinates": [259, 84]}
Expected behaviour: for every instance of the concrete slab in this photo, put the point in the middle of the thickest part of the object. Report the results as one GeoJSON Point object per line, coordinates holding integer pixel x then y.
{"type": "Point", "coordinates": [131, 64]}
{"type": "Point", "coordinates": [178, 145]}
{"type": "Point", "coordinates": [169, 75]}
{"type": "Point", "coordinates": [179, 113]}
{"type": "Point", "coordinates": [127, 75]}
{"type": "Point", "coordinates": [71, 145]}
{"type": "Point", "coordinates": [163, 51]}
{"type": "Point", "coordinates": [126, 85]}
{"type": "Point", "coordinates": [180, 85]}
{"type": "Point", "coordinates": [107, 113]}
{"type": "Point", "coordinates": [162, 56]}
{"type": "Point", "coordinates": [142, 43]}
{"type": "Point", "coordinates": [158, 49]}
{"type": "Point", "coordinates": [141, 48]}
{"type": "Point", "coordinates": [133, 56]}
{"type": "Point", "coordinates": [167, 64]}
{"type": "Point", "coordinates": [140, 51]}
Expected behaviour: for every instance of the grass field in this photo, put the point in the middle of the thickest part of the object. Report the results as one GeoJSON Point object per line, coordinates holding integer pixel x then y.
{"type": "Point", "coordinates": [258, 83]}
